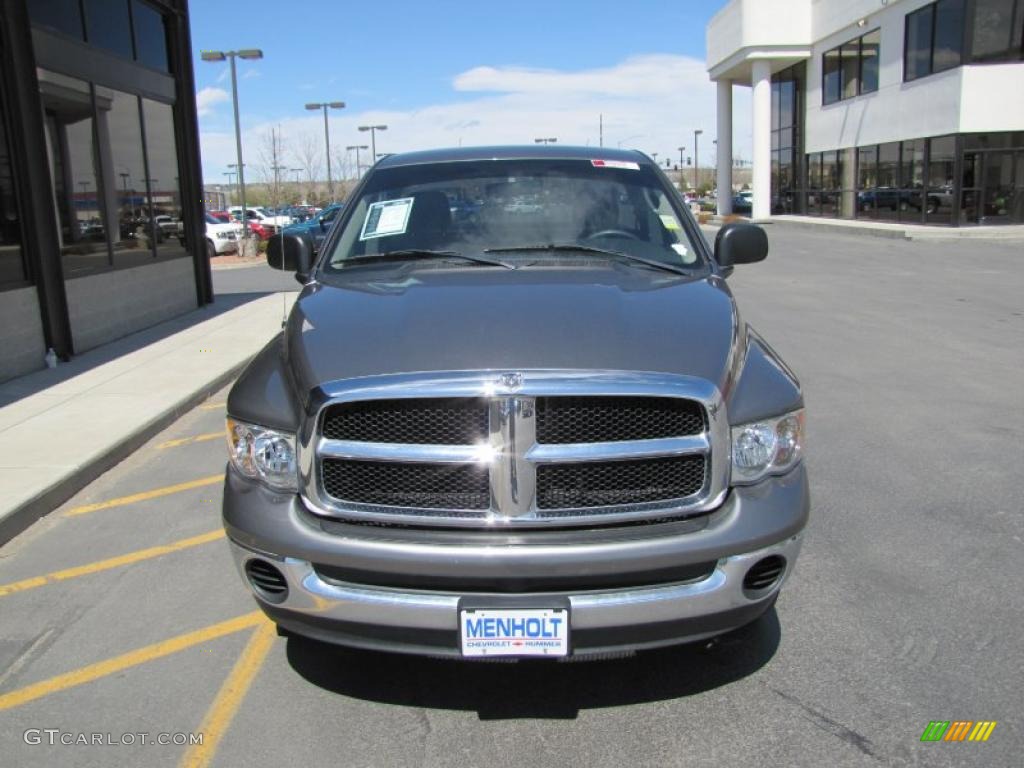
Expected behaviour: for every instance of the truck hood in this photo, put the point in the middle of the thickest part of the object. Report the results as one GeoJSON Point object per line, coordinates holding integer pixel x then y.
{"type": "Point", "coordinates": [611, 317]}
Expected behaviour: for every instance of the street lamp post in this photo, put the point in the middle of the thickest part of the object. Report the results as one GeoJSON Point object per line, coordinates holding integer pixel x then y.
{"type": "Point", "coordinates": [373, 138]}
{"type": "Point", "coordinates": [231, 181]}
{"type": "Point", "coordinates": [696, 159]}
{"type": "Point", "coordinates": [356, 147]}
{"type": "Point", "coordinates": [244, 53]}
{"type": "Point", "coordinates": [545, 141]}
{"type": "Point", "coordinates": [327, 138]}
{"type": "Point", "coordinates": [682, 165]}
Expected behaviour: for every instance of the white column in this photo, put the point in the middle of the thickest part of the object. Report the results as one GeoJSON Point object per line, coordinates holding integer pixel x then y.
{"type": "Point", "coordinates": [762, 137]}
{"type": "Point", "coordinates": [724, 180]}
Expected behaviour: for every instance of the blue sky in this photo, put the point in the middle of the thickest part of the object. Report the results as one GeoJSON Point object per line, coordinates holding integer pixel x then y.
{"type": "Point", "coordinates": [440, 72]}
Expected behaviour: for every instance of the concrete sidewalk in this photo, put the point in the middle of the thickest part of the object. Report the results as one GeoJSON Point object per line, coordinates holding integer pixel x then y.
{"type": "Point", "coordinates": [900, 231]}
{"type": "Point", "coordinates": [62, 428]}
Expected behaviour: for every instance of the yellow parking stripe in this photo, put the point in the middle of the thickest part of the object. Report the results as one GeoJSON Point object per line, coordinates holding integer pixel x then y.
{"type": "Point", "coordinates": [124, 661]}
{"type": "Point", "coordinates": [212, 406]}
{"type": "Point", "coordinates": [156, 493]}
{"type": "Point", "coordinates": [229, 698]}
{"type": "Point", "coordinates": [112, 562]}
{"type": "Point", "coordinates": [190, 440]}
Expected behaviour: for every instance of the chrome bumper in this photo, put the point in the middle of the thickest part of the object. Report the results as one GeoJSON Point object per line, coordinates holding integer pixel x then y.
{"type": "Point", "coordinates": [313, 605]}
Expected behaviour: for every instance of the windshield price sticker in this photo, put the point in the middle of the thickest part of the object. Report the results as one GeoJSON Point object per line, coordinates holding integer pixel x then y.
{"type": "Point", "coordinates": [616, 164]}
{"type": "Point", "coordinates": [388, 217]}
{"type": "Point", "coordinates": [514, 632]}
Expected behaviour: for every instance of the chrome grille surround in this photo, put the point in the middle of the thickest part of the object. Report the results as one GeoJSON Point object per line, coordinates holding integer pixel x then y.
{"type": "Point", "coordinates": [511, 450]}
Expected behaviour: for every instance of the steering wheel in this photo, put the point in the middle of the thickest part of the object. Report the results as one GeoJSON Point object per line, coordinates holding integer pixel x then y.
{"type": "Point", "coordinates": [611, 233]}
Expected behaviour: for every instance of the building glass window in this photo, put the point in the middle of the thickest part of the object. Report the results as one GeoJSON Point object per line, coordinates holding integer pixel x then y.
{"type": "Point", "coordinates": [150, 36]}
{"type": "Point", "coordinates": [912, 181]}
{"type": "Point", "coordinates": [942, 179]}
{"type": "Point", "coordinates": [62, 15]}
{"type": "Point", "coordinates": [998, 30]}
{"type": "Point", "coordinates": [889, 201]}
{"type": "Point", "coordinates": [814, 184]}
{"type": "Point", "coordinates": [870, 47]}
{"type": "Point", "coordinates": [75, 170]}
{"type": "Point", "coordinates": [830, 78]}
{"type": "Point", "coordinates": [13, 269]}
{"type": "Point", "coordinates": [162, 161]}
{"type": "Point", "coordinates": [949, 35]}
{"type": "Point", "coordinates": [108, 26]}
{"type": "Point", "coordinates": [867, 181]}
{"type": "Point", "coordinates": [121, 154]}
{"type": "Point", "coordinates": [917, 51]}
{"type": "Point", "coordinates": [851, 68]}
{"type": "Point", "coordinates": [786, 140]}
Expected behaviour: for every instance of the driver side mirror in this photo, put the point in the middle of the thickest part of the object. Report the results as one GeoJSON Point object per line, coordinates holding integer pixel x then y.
{"type": "Point", "coordinates": [291, 252]}
{"type": "Point", "coordinates": [740, 243]}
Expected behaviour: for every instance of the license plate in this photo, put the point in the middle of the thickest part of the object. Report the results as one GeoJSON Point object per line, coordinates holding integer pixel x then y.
{"type": "Point", "coordinates": [514, 632]}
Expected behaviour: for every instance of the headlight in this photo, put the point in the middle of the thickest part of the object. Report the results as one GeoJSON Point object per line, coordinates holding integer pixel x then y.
{"type": "Point", "coordinates": [767, 447]}
{"type": "Point", "coordinates": [263, 454]}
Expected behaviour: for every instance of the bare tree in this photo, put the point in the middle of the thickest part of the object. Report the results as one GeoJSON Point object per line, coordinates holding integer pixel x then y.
{"type": "Point", "coordinates": [271, 167]}
{"type": "Point", "coordinates": [308, 154]}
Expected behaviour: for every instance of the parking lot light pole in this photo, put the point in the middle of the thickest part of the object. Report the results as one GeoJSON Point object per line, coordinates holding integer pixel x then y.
{"type": "Point", "coordinates": [327, 138]}
{"type": "Point", "coordinates": [373, 137]}
{"type": "Point", "coordinates": [243, 53]}
{"type": "Point", "coordinates": [356, 147]}
{"type": "Point", "coordinates": [696, 160]}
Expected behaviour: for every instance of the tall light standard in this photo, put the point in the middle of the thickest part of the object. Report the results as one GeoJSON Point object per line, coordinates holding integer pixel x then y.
{"type": "Point", "coordinates": [682, 164]}
{"type": "Point", "coordinates": [696, 159]}
{"type": "Point", "coordinates": [545, 141]}
{"type": "Point", "coordinates": [373, 137]}
{"type": "Point", "coordinates": [356, 147]}
{"type": "Point", "coordinates": [327, 138]}
{"type": "Point", "coordinates": [231, 180]}
{"type": "Point", "coordinates": [244, 53]}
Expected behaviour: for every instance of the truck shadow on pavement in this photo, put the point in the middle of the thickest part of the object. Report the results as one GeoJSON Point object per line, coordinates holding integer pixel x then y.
{"type": "Point", "coordinates": [537, 689]}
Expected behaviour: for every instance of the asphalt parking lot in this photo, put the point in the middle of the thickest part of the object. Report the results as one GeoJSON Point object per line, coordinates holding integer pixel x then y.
{"type": "Point", "coordinates": [122, 613]}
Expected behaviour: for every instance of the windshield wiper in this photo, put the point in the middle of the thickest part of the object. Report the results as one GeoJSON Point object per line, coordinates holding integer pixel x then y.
{"type": "Point", "coordinates": [593, 249]}
{"type": "Point", "coordinates": [426, 253]}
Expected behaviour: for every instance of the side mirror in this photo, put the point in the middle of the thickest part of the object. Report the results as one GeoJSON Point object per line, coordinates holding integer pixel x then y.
{"type": "Point", "coordinates": [323, 225]}
{"type": "Point", "coordinates": [740, 243]}
{"type": "Point", "coordinates": [292, 253]}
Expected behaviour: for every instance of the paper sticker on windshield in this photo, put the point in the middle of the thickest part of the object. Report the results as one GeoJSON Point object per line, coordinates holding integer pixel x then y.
{"type": "Point", "coordinates": [388, 217]}
{"type": "Point", "coordinates": [616, 164]}
{"type": "Point", "coordinates": [670, 221]}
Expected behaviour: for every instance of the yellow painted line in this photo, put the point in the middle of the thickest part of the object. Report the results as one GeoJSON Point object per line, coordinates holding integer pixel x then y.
{"type": "Point", "coordinates": [229, 697]}
{"type": "Point", "coordinates": [190, 440]}
{"type": "Point", "coordinates": [156, 493]}
{"type": "Point", "coordinates": [212, 406]}
{"type": "Point", "coordinates": [112, 562]}
{"type": "Point", "coordinates": [124, 661]}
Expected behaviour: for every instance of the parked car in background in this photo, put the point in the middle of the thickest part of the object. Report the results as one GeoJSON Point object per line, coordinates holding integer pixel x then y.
{"type": "Point", "coordinates": [262, 217]}
{"type": "Point", "coordinates": [168, 225]}
{"type": "Point", "coordinates": [317, 227]}
{"type": "Point", "coordinates": [743, 203]}
{"type": "Point", "coordinates": [221, 237]}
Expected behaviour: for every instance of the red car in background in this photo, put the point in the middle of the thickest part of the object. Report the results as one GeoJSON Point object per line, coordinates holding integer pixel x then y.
{"type": "Point", "coordinates": [263, 233]}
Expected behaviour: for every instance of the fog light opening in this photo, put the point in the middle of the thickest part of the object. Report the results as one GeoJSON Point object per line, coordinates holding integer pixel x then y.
{"type": "Point", "coordinates": [763, 575]}
{"type": "Point", "coordinates": [266, 580]}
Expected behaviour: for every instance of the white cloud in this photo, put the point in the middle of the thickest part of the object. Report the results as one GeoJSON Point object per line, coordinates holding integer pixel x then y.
{"type": "Point", "coordinates": [651, 102]}
{"type": "Point", "coordinates": [250, 73]}
{"type": "Point", "coordinates": [207, 98]}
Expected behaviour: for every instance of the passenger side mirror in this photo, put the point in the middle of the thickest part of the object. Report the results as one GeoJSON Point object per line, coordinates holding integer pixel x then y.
{"type": "Point", "coordinates": [290, 252]}
{"type": "Point", "coordinates": [740, 243]}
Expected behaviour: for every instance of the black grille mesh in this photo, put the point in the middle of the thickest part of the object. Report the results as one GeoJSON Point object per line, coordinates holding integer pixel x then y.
{"type": "Point", "coordinates": [606, 483]}
{"type": "Point", "coordinates": [440, 421]}
{"type": "Point", "coordinates": [604, 419]}
{"type": "Point", "coordinates": [401, 484]}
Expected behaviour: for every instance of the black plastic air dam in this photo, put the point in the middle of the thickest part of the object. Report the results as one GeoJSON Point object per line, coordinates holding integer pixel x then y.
{"type": "Point", "coordinates": [266, 580]}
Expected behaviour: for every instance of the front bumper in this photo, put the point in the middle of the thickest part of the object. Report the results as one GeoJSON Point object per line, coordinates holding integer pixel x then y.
{"type": "Point", "coordinates": [755, 522]}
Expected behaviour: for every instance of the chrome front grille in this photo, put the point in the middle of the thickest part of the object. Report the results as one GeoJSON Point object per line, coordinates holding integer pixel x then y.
{"type": "Point", "coordinates": [529, 448]}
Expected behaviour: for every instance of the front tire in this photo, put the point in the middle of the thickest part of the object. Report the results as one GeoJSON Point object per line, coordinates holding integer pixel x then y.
{"type": "Point", "coordinates": [211, 249]}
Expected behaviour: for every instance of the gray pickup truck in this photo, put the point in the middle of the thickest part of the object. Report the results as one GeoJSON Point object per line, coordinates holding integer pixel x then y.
{"type": "Point", "coordinates": [515, 412]}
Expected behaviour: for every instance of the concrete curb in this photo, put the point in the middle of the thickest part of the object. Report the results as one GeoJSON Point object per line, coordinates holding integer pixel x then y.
{"type": "Point", "coordinates": [25, 514]}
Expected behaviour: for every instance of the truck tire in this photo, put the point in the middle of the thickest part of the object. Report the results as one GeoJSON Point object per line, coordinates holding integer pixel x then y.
{"type": "Point", "coordinates": [211, 250]}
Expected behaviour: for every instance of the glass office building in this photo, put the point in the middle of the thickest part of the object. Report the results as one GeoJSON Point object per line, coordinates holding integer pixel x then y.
{"type": "Point", "coordinates": [101, 229]}
{"type": "Point", "coordinates": [905, 111]}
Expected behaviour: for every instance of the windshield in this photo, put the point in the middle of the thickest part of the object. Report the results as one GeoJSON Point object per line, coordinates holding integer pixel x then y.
{"type": "Point", "coordinates": [471, 207]}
